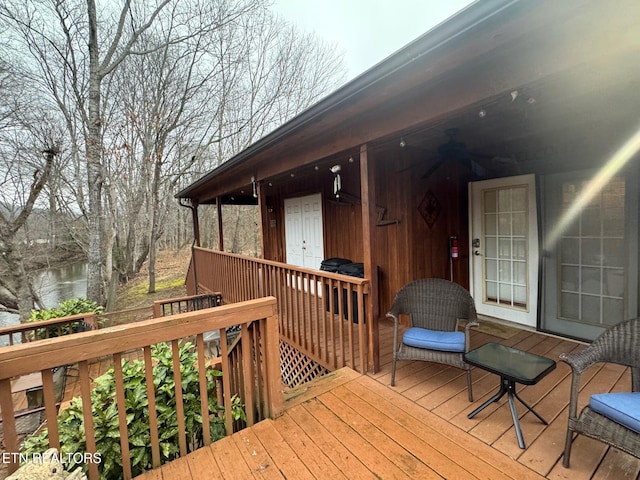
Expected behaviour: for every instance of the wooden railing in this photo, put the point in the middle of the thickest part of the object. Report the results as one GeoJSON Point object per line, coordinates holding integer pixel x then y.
{"type": "Point", "coordinates": [259, 386]}
{"type": "Point", "coordinates": [322, 314]}
{"type": "Point", "coordinates": [191, 303]}
{"type": "Point", "coordinates": [47, 328]}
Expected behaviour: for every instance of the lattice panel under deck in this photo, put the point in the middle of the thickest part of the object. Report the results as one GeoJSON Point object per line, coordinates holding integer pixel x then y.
{"type": "Point", "coordinates": [296, 368]}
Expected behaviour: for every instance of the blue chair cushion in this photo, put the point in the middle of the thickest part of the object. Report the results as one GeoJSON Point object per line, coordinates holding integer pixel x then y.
{"type": "Point", "coordinates": [434, 340]}
{"type": "Point", "coordinates": [622, 408]}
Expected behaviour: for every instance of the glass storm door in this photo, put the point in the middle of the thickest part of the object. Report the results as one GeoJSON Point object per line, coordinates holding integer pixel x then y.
{"type": "Point", "coordinates": [589, 274]}
{"type": "Point", "coordinates": [504, 248]}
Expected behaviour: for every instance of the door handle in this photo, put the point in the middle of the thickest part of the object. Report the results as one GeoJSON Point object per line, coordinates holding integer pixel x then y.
{"type": "Point", "coordinates": [477, 253]}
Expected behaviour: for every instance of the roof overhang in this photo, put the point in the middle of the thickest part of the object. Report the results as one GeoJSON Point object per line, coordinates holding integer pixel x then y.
{"type": "Point", "coordinates": [467, 62]}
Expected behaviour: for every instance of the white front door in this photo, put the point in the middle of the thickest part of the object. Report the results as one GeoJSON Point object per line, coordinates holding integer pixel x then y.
{"type": "Point", "coordinates": [303, 231]}
{"type": "Point", "coordinates": [504, 248]}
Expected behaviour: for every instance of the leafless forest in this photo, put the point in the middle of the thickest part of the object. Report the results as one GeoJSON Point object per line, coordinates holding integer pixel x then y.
{"type": "Point", "coordinates": [108, 108]}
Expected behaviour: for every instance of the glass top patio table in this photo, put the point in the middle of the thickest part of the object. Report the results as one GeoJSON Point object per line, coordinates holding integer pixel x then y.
{"type": "Point", "coordinates": [514, 366]}
{"type": "Point", "coordinates": [517, 365]}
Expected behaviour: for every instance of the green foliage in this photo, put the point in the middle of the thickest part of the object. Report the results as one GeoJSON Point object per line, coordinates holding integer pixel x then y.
{"type": "Point", "coordinates": [105, 414]}
{"type": "Point", "coordinates": [73, 306]}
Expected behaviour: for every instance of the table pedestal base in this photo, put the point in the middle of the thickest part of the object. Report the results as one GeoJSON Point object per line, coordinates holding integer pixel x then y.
{"type": "Point", "coordinates": [509, 387]}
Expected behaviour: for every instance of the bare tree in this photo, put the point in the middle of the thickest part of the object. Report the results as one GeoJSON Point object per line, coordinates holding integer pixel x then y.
{"type": "Point", "coordinates": [76, 46]}
{"type": "Point", "coordinates": [152, 95]}
{"type": "Point", "coordinates": [24, 172]}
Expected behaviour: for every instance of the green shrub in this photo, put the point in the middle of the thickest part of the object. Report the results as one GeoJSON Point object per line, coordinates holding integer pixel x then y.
{"type": "Point", "coordinates": [105, 414]}
{"type": "Point", "coordinates": [73, 306]}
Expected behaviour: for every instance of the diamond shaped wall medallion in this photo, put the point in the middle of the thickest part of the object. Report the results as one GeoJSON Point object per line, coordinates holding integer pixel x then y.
{"type": "Point", "coordinates": [430, 208]}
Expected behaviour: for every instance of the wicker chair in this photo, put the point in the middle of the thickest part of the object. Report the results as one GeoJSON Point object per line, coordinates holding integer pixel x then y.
{"type": "Point", "coordinates": [434, 306]}
{"type": "Point", "coordinates": [620, 344]}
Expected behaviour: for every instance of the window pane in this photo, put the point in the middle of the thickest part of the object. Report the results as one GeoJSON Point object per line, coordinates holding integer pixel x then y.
{"type": "Point", "coordinates": [613, 311]}
{"type": "Point", "coordinates": [490, 201]}
{"type": "Point", "coordinates": [613, 282]}
{"type": "Point", "coordinates": [590, 280]}
{"type": "Point", "coordinates": [520, 249]}
{"type": "Point", "coordinates": [570, 278]}
{"type": "Point", "coordinates": [520, 272]}
{"type": "Point", "coordinates": [519, 224]}
{"type": "Point", "coordinates": [505, 271]}
{"type": "Point", "coordinates": [591, 221]}
{"type": "Point", "coordinates": [570, 250]}
{"type": "Point", "coordinates": [490, 226]}
{"type": "Point", "coordinates": [491, 272]}
{"type": "Point", "coordinates": [519, 199]}
{"type": "Point", "coordinates": [492, 248]}
{"type": "Point", "coordinates": [591, 252]}
{"type": "Point", "coordinates": [613, 222]}
{"type": "Point", "coordinates": [492, 290]}
{"type": "Point", "coordinates": [520, 296]}
{"type": "Point", "coordinates": [505, 247]}
{"type": "Point", "coordinates": [613, 251]}
{"type": "Point", "coordinates": [504, 224]}
{"type": "Point", "coordinates": [504, 200]}
{"type": "Point", "coordinates": [505, 293]}
{"type": "Point", "coordinates": [569, 306]}
{"type": "Point", "coordinates": [591, 309]}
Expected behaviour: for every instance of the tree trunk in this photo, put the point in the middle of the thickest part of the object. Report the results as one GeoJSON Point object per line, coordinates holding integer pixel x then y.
{"type": "Point", "coordinates": [95, 270]}
{"type": "Point", "coordinates": [155, 221]}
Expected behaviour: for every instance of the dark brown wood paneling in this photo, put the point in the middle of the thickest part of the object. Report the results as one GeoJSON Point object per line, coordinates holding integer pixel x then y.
{"type": "Point", "coordinates": [411, 249]}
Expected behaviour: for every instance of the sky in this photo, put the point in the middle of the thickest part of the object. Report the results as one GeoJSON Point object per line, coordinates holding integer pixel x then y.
{"type": "Point", "coordinates": [367, 31]}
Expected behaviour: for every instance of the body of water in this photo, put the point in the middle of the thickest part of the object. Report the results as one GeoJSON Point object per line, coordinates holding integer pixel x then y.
{"type": "Point", "coordinates": [55, 285]}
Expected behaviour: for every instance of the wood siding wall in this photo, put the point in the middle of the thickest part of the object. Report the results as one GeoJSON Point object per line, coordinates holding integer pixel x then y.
{"type": "Point", "coordinates": [407, 248]}
{"type": "Point", "coordinates": [342, 217]}
{"type": "Point", "coordinates": [412, 248]}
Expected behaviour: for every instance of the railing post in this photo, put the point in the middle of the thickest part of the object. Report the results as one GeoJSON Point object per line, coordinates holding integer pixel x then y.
{"type": "Point", "coordinates": [9, 422]}
{"type": "Point", "coordinates": [272, 347]}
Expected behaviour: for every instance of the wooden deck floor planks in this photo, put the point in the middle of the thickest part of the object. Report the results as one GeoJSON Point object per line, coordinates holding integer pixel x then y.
{"type": "Point", "coordinates": [357, 429]}
{"type": "Point", "coordinates": [354, 426]}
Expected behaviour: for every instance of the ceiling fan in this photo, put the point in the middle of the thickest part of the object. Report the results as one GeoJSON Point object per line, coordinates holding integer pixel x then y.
{"type": "Point", "coordinates": [453, 150]}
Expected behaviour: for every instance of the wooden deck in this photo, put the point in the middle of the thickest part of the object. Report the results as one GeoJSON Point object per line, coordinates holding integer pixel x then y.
{"type": "Point", "coordinates": [352, 426]}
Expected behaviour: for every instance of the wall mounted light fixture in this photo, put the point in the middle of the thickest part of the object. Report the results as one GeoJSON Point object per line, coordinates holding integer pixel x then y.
{"type": "Point", "coordinates": [337, 181]}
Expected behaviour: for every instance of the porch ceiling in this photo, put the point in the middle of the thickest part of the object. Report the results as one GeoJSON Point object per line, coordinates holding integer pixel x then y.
{"type": "Point", "coordinates": [524, 83]}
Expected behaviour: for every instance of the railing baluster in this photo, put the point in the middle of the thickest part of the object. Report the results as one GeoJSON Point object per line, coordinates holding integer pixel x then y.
{"type": "Point", "coordinates": [182, 439]}
{"type": "Point", "coordinates": [247, 355]}
{"type": "Point", "coordinates": [87, 414]}
{"type": "Point", "coordinates": [122, 416]}
{"type": "Point", "coordinates": [248, 371]}
{"type": "Point", "coordinates": [226, 381]}
{"type": "Point", "coordinates": [51, 409]}
{"type": "Point", "coordinates": [362, 330]}
{"type": "Point", "coordinates": [204, 394]}
{"type": "Point", "coordinates": [349, 326]}
{"type": "Point", "coordinates": [153, 416]}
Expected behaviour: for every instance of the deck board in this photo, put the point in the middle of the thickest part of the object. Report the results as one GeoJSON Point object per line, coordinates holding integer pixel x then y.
{"type": "Point", "coordinates": [348, 425]}
{"type": "Point", "coordinates": [357, 426]}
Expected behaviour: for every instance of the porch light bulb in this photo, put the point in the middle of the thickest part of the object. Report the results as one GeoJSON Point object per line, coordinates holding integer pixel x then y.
{"type": "Point", "coordinates": [482, 113]}
{"type": "Point", "coordinates": [402, 143]}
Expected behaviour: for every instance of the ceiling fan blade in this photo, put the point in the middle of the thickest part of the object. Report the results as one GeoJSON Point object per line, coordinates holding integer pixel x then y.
{"type": "Point", "coordinates": [433, 168]}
